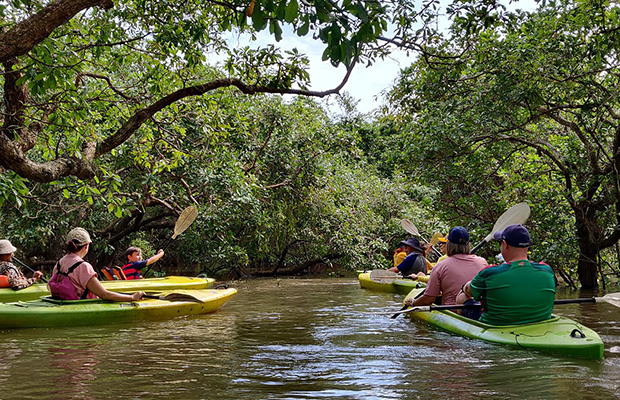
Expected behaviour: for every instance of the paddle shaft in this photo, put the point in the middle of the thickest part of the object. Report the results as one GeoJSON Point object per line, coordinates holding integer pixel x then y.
{"type": "Point", "coordinates": [462, 306]}
{"type": "Point", "coordinates": [26, 266]}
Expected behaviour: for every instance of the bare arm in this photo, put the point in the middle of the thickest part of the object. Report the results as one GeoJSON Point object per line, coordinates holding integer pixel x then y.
{"type": "Point", "coordinates": [423, 300]}
{"type": "Point", "coordinates": [157, 256]}
{"type": "Point", "coordinates": [97, 288]}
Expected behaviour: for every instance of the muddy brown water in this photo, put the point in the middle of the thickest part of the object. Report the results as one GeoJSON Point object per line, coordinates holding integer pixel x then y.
{"type": "Point", "coordinates": [299, 339]}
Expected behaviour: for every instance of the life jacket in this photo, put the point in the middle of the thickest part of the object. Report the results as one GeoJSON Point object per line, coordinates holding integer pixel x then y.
{"type": "Point", "coordinates": [131, 272]}
{"type": "Point", "coordinates": [4, 281]}
{"type": "Point", "coordinates": [113, 273]}
{"type": "Point", "coordinates": [61, 286]}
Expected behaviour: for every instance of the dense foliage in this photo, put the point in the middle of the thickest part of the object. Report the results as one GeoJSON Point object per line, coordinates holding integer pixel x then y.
{"type": "Point", "coordinates": [526, 107]}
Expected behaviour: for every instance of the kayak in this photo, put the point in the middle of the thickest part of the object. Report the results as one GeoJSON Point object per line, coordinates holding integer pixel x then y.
{"type": "Point", "coordinates": [8, 295]}
{"type": "Point", "coordinates": [47, 312]}
{"type": "Point", "coordinates": [402, 286]}
{"type": "Point", "coordinates": [558, 335]}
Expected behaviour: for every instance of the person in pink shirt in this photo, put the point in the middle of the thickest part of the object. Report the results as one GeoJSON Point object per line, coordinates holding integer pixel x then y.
{"type": "Point", "coordinates": [449, 275]}
{"type": "Point", "coordinates": [81, 274]}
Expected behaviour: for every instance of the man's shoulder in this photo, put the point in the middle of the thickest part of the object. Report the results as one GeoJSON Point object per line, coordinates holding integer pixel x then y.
{"type": "Point", "coordinates": [494, 269]}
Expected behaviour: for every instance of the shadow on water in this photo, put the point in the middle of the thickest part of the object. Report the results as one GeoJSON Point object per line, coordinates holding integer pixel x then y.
{"type": "Point", "coordinates": [298, 339]}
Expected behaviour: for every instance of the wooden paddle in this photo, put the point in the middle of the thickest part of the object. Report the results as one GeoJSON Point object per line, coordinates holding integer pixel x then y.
{"type": "Point", "coordinates": [412, 229]}
{"type": "Point", "coordinates": [184, 221]}
{"type": "Point", "coordinates": [175, 297]}
{"type": "Point", "coordinates": [171, 297]}
{"type": "Point", "coordinates": [384, 276]}
{"type": "Point", "coordinates": [517, 214]}
{"type": "Point", "coordinates": [26, 266]}
{"type": "Point", "coordinates": [611, 298]}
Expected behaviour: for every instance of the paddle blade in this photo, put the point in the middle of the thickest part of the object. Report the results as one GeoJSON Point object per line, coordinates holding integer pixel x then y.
{"type": "Point", "coordinates": [186, 218]}
{"type": "Point", "coordinates": [409, 227]}
{"type": "Point", "coordinates": [383, 276]}
{"type": "Point", "coordinates": [611, 298]}
{"type": "Point", "coordinates": [175, 297]}
{"type": "Point", "coordinates": [517, 214]}
{"type": "Point", "coordinates": [435, 238]}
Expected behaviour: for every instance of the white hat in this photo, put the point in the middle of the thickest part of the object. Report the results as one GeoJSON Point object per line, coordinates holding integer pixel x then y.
{"type": "Point", "coordinates": [79, 235]}
{"type": "Point", "coordinates": [6, 247]}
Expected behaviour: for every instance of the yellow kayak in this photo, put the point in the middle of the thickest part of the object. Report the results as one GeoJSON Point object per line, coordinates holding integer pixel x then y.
{"type": "Point", "coordinates": [47, 312]}
{"type": "Point", "coordinates": [8, 295]}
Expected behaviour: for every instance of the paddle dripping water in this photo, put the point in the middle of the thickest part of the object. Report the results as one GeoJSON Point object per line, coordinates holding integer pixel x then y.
{"type": "Point", "coordinates": [299, 339]}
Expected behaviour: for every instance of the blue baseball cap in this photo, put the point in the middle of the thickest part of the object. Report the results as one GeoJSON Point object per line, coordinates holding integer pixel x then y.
{"type": "Point", "coordinates": [515, 236]}
{"type": "Point", "coordinates": [458, 235]}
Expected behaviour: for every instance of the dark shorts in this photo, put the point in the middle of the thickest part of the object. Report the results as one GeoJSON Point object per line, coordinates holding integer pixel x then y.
{"type": "Point", "coordinates": [471, 312]}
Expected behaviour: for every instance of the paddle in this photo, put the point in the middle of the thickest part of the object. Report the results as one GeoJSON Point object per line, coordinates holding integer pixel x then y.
{"type": "Point", "coordinates": [186, 218]}
{"type": "Point", "coordinates": [516, 214]}
{"type": "Point", "coordinates": [411, 228]}
{"type": "Point", "coordinates": [26, 266]}
{"type": "Point", "coordinates": [171, 297]}
{"type": "Point", "coordinates": [184, 221]}
{"type": "Point", "coordinates": [611, 298]}
{"type": "Point", "coordinates": [385, 276]}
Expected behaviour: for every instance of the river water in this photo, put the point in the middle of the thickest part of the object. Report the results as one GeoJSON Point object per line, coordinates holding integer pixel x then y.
{"type": "Point", "coordinates": [299, 339]}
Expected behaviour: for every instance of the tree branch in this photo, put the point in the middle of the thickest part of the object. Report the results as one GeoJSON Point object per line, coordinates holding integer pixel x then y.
{"type": "Point", "coordinates": [21, 38]}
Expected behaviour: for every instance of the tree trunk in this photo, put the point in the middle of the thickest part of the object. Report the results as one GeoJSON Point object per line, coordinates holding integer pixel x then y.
{"type": "Point", "coordinates": [588, 240]}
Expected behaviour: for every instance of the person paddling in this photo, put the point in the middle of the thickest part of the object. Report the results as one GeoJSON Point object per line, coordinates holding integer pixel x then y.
{"type": "Point", "coordinates": [518, 291]}
{"type": "Point", "coordinates": [415, 261]}
{"type": "Point", "coordinates": [74, 279]}
{"type": "Point", "coordinates": [449, 275]}
{"type": "Point", "coordinates": [135, 263]}
{"type": "Point", "coordinates": [15, 277]}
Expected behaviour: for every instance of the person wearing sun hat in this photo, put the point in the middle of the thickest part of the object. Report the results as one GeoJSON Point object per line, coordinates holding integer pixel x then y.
{"type": "Point", "coordinates": [82, 278]}
{"type": "Point", "coordinates": [449, 275]}
{"type": "Point", "coordinates": [15, 278]}
{"type": "Point", "coordinates": [415, 261]}
{"type": "Point", "coordinates": [518, 291]}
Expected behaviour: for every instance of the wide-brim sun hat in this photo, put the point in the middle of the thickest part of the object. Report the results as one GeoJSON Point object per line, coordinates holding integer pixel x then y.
{"type": "Point", "coordinates": [412, 242]}
{"type": "Point", "coordinates": [6, 247]}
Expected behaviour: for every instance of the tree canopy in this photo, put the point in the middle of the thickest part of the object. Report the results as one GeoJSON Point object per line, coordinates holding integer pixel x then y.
{"type": "Point", "coordinates": [527, 107]}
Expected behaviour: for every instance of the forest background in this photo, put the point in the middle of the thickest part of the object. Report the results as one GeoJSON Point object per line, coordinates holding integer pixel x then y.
{"type": "Point", "coordinates": [114, 119]}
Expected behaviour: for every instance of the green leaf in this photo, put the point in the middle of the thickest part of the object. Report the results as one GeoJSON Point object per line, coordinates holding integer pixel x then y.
{"type": "Point", "coordinates": [258, 18]}
{"type": "Point", "coordinates": [303, 29]}
{"type": "Point", "coordinates": [291, 11]}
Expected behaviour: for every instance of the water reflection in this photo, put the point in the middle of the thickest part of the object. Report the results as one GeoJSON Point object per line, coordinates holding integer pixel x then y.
{"type": "Point", "coordinates": [298, 339]}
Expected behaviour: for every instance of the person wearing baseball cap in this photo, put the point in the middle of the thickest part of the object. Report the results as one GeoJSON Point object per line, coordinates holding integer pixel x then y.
{"type": "Point", "coordinates": [518, 291]}
{"type": "Point", "coordinates": [415, 261]}
{"type": "Point", "coordinates": [443, 242]}
{"type": "Point", "coordinates": [83, 282]}
{"type": "Point", "coordinates": [15, 278]}
{"type": "Point", "coordinates": [449, 275]}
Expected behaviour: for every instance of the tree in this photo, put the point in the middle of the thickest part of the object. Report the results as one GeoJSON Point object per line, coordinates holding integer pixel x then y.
{"type": "Point", "coordinates": [530, 101]}
{"type": "Point", "coordinates": [80, 77]}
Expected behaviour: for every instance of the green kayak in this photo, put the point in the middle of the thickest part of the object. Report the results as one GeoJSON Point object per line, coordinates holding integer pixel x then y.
{"type": "Point", "coordinates": [46, 312]}
{"type": "Point", "coordinates": [402, 286]}
{"type": "Point", "coordinates": [558, 335]}
{"type": "Point", "coordinates": [8, 295]}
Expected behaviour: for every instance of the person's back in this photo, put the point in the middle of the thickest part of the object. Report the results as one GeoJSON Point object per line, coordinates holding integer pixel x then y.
{"type": "Point", "coordinates": [518, 291]}
{"type": "Point", "coordinates": [449, 275]}
{"type": "Point", "coordinates": [515, 293]}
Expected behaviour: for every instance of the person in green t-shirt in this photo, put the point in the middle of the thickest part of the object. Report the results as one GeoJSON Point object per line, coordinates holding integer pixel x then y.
{"type": "Point", "coordinates": [518, 291]}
